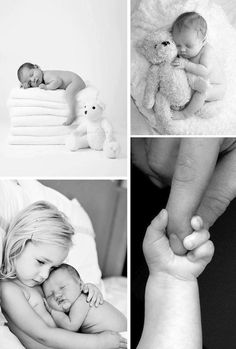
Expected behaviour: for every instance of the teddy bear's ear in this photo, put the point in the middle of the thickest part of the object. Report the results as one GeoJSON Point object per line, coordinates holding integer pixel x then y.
{"type": "Point", "coordinates": [101, 105]}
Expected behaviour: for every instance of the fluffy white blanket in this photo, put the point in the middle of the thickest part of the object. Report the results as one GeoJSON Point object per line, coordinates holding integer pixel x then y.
{"type": "Point", "coordinates": [38, 120]}
{"type": "Point", "coordinates": [154, 14]}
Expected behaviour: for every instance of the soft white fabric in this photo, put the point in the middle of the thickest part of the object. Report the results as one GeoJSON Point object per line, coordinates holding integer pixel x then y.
{"type": "Point", "coordinates": [155, 14]}
{"type": "Point", "coordinates": [58, 96]}
{"type": "Point", "coordinates": [24, 111]}
{"type": "Point", "coordinates": [37, 108]}
{"type": "Point", "coordinates": [42, 131]}
{"type": "Point", "coordinates": [8, 340]}
{"type": "Point", "coordinates": [35, 140]}
{"type": "Point", "coordinates": [15, 195]}
{"type": "Point", "coordinates": [38, 120]}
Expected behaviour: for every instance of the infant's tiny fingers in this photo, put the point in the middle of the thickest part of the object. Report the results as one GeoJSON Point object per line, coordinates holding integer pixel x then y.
{"type": "Point", "coordinates": [90, 295]}
{"type": "Point", "coordinates": [204, 252]}
{"type": "Point", "coordinates": [196, 239]}
{"type": "Point", "coordinates": [196, 223]}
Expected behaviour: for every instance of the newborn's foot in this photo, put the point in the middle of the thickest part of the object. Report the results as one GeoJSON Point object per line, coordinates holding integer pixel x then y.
{"type": "Point", "coordinates": [70, 120]}
{"type": "Point", "coordinates": [200, 85]}
{"type": "Point", "coordinates": [187, 114]}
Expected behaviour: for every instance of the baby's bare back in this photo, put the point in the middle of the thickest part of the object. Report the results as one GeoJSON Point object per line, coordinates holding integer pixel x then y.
{"type": "Point", "coordinates": [67, 77]}
{"type": "Point", "coordinates": [104, 317]}
{"type": "Point", "coordinates": [216, 72]}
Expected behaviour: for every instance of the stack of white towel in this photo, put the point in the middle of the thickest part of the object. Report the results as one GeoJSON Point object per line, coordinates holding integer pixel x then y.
{"type": "Point", "coordinates": [37, 116]}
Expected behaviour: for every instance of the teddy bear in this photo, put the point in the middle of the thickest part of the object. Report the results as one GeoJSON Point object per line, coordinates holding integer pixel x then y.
{"type": "Point", "coordinates": [167, 87]}
{"type": "Point", "coordinates": [94, 132]}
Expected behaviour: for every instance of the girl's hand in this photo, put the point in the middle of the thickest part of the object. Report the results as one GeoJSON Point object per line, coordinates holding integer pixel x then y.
{"type": "Point", "coordinates": [111, 340]}
{"type": "Point", "coordinates": [95, 296]}
{"type": "Point", "coordinates": [160, 257]}
{"type": "Point", "coordinates": [179, 63]}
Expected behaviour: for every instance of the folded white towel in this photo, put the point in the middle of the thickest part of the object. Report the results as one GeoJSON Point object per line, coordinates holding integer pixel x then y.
{"type": "Point", "coordinates": [17, 102]}
{"type": "Point", "coordinates": [58, 96]}
{"type": "Point", "coordinates": [33, 140]}
{"type": "Point", "coordinates": [42, 130]}
{"type": "Point", "coordinates": [38, 120]}
{"type": "Point", "coordinates": [24, 111]}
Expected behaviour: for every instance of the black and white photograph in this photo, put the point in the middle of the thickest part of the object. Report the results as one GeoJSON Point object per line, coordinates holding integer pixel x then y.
{"type": "Point", "coordinates": [183, 243]}
{"type": "Point", "coordinates": [64, 264]}
{"type": "Point", "coordinates": [63, 88]}
{"type": "Point", "coordinates": [182, 67]}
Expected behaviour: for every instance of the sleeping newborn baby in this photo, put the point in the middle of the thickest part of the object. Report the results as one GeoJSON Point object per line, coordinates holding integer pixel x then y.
{"type": "Point", "coordinates": [69, 308]}
{"type": "Point", "coordinates": [198, 57]}
{"type": "Point", "coordinates": [30, 75]}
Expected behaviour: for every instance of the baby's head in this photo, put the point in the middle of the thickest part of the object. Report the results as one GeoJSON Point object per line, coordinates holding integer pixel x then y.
{"type": "Point", "coordinates": [189, 33]}
{"type": "Point", "coordinates": [37, 239]}
{"type": "Point", "coordinates": [30, 75]}
{"type": "Point", "coordinates": [62, 287]}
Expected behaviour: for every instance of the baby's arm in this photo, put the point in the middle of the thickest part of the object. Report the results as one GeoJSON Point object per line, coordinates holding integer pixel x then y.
{"type": "Point", "coordinates": [76, 316]}
{"type": "Point", "coordinates": [172, 311]}
{"type": "Point", "coordinates": [52, 85]}
{"type": "Point", "coordinates": [15, 304]}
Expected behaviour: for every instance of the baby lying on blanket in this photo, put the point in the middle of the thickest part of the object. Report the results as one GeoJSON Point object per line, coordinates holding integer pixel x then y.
{"type": "Point", "coordinates": [197, 56]}
{"type": "Point", "coordinates": [69, 308]}
{"type": "Point", "coordinates": [30, 75]}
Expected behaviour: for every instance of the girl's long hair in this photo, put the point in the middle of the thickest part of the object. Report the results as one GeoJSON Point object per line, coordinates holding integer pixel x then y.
{"type": "Point", "coordinates": [39, 222]}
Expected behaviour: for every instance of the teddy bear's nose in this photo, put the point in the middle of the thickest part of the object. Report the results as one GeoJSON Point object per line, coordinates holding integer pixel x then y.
{"type": "Point", "coordinates": [85, 112]}
{"type": "Point", "coordinates": [165, 43]}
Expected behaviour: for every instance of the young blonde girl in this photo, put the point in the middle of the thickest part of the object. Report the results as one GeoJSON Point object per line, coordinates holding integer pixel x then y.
{"type": "Point", "coordinates": [38, 239]}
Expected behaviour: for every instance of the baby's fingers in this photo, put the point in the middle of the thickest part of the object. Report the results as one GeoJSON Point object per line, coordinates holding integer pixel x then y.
{"type": "Point", "coordinates": [123, 342]}
{"type": "Point", "coordinates": [196, 239]}
{"type": "Point", "coordinates": [197, 223]}
{"type": "Point", "coordinates": [204, 252]}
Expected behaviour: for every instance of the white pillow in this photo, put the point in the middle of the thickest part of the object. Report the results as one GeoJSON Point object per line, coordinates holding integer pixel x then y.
{"type": "Point", "coordinates": [15, 195]}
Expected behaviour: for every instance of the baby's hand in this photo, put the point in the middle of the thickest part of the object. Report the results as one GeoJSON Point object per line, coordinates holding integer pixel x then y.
{"type": "Point", "coordinates": [160, 257]}
{"type": "Point", "coordinates": [95, 296]}
{"type": "Point", "coordinates": [25, 85]}
{"type": "Point", "coordinates": [111, 340]}
{"type": "Point", "coordinates": [49, 309]}
{"type": "Point", "coordinates": [179, 63]}
{"type": "Point", "coordinates": [43, 86]}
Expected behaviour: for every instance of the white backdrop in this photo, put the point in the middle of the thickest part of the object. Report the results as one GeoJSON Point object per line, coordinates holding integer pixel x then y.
{"type": "Point", "coordinates": [84, 36]}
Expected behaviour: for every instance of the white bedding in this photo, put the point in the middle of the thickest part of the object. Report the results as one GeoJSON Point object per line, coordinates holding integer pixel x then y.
{"type": "Point", "coordinates": [221, 34]}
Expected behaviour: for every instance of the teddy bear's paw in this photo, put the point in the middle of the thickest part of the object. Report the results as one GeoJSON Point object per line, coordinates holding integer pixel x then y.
{"type": "Point", "coordinates": [71, 143]}
{"type": "Point", "coordinates": [148, 103]}
{"type": "Point", "coordinates": [111, 149]}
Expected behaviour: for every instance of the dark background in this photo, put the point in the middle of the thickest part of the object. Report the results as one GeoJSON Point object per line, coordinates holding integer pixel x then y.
{"type": "Point", "coordinates": [217, 283]}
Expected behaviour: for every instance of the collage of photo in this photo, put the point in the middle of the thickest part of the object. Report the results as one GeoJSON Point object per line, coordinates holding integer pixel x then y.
{"type": "Point", "coordinates": [118, 174]}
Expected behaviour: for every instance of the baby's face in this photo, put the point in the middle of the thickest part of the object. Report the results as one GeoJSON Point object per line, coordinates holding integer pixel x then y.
{"type": "Point", "coordinates": [188, 42]}
{"type": "Point", "coordinates": [31, 77]}
{"type": "Point", "coordinates": [61, 290]}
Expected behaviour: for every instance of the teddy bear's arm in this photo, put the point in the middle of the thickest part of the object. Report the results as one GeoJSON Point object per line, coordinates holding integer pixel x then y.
{"type": "Point", "coordinates": [107, 129]}
{"type": "Point", "coordinates": [81, 129]}
{"type": "Point", "coordinates": [151, 87]}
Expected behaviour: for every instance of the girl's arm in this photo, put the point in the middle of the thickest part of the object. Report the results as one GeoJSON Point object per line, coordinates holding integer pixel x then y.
{"type": "Point", "coordinates": [24, 317]}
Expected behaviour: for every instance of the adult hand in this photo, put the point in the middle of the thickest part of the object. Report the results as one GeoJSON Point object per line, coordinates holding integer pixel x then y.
{"type": "Point", "coordinates": [202, 175]}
